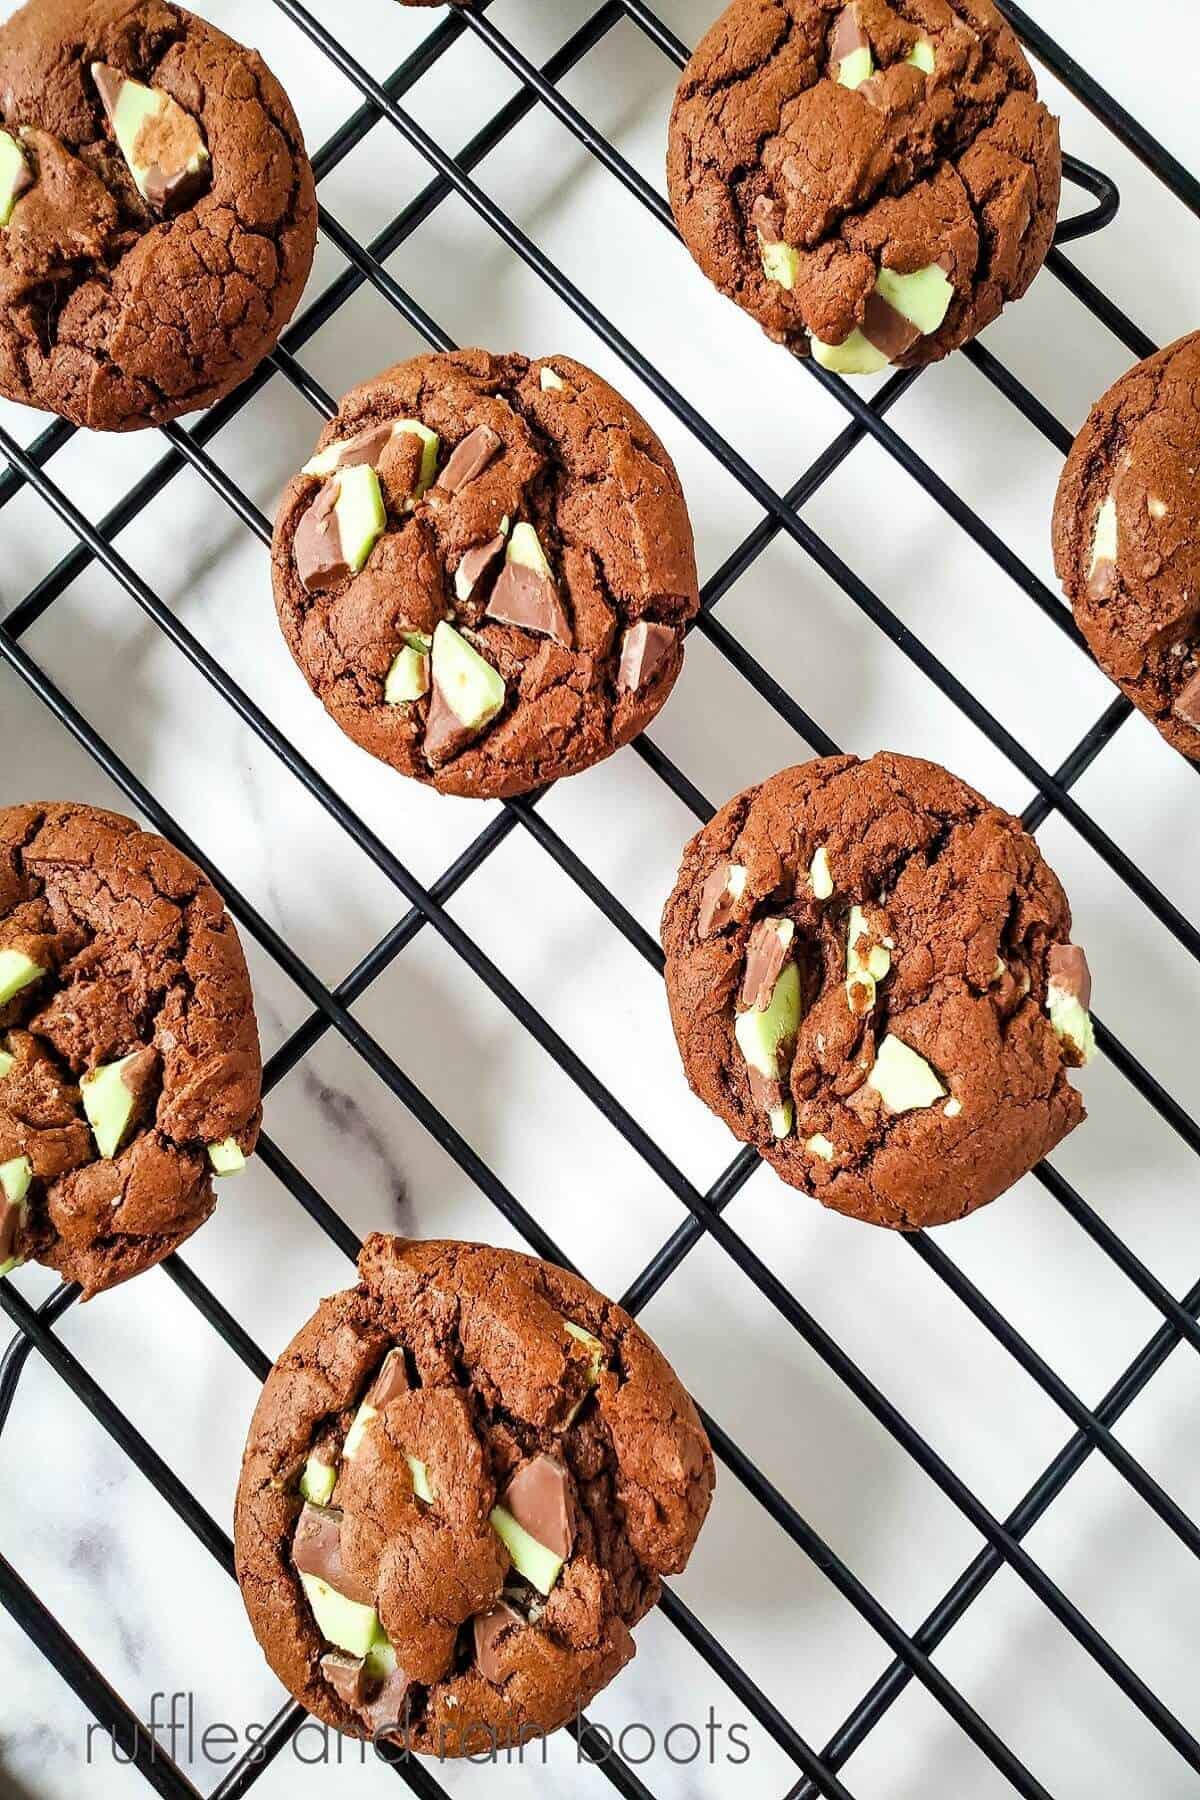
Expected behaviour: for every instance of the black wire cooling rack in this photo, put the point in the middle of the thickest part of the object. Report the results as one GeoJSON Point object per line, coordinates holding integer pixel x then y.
{"type": "Point", "coordinates": [817, 1770]}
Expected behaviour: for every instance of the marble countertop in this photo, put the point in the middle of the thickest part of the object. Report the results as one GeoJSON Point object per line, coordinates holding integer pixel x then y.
{"type": "Point", "coordinates": [138, 1593]}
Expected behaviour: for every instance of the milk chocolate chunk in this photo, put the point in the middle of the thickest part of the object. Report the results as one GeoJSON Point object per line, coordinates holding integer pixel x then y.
{"type": "Point", "coordinates": [1069, 972]}
{"type": "Point", "coordinates": [643, 651]}
{"type": "Point", "coordinates": [161, 143]}
{"type": "Point", "coordinates": [341, 528]}
{"type": "Point", "coordinates": [16, 177]}
{"type": "Point", "coordinates": [391, 1381]}
{"type": "Point", "coordinates": [320, 561]}
{"type": "Point", "coordinates": [350, 1678]}
{"type": "Point", "coordinates": [1187, 704]}
{"type": "Point", "coordinates": [490, 1628]}
{"type": "Point", "coordinates": [387, 1710]}
{"type": "Point", "coordinates": [766, 953]}
{"type": "Point", "coordinates": [719, 897]}
{"type": "Point", "coordinates": [367, 447]}
{"type": "Point", "coordinates": [890, 332]}
{"type": "Point", "coordinates": [539, 1498]}
{"type": "Point", "coordinates": [470, 458]}
{"type": "Point", "coordinates": [525, 597]}
{"type": "Point", "coordinates": [475, 565]}
{"type": "Point", "coordinates": [317, 1550]}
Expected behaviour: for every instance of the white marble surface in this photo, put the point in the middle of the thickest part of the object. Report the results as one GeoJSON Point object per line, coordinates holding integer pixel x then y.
{"type": "Point", "coordinates": [129, 1582]}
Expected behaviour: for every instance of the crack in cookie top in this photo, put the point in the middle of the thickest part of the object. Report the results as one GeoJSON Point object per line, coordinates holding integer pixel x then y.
{"type": "Point", "coordinates": [463, 1483]}
{"type": "Point", "coordinates": [871, 181]}
{"type": "Point", "coordinates": [486, 569]}
{"type": "Point", "coordinates": [157, 211]}
{"type": "Point", "coordinates": [870, 980]}
{"type": "Point", "coordinates": [1127, 538]}
{"type": "Point", "coordinates": [129, 1059]}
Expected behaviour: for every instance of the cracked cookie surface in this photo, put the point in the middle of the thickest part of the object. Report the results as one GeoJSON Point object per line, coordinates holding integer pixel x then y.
{"type": "Point", "coordinates": [526, 559]}
{"type": "Point", "coordinates": [916, 1065]}
{"type": "Point", "coordinates": [116, 954]}
{"type": "Point", "coordinates": [1127, 538]}
{"type": "Point", "coordinates": [817, 151]}
{"type": "Point", "coordinates": [119, 311]}
{"type": "Point", "coordinates": [455, 1389]}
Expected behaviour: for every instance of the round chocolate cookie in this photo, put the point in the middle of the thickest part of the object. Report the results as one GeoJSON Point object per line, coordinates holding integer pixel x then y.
{"type": "Point", "coordinates": [1127, 538]}
{"type": "Point", "coordinates": [486, 569]}
{"type": "Point", "coordinates": [129, 1062]}
{"type": "Point", "coordinates": [157, 211]}
{"type": "Point", "coordinates": [872, 182]}
{"type": "Point", "coordinates": [464, 1480]}
{"type": "Point", "coordinates": [870, 981]}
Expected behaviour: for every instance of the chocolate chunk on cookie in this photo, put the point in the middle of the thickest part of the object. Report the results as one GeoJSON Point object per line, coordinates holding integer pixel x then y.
{"type": "Point", "coordinates": [1127, 538]}
{"type": "Point", "coordinates": [463, 1483]}
{"type": "Point", "coordinates": [157, 211]}
{"type": "Point", "coordinates": [129, 1061]}
{"type": "Point", "coordinates": [486, 569]}
{"type": "Point", "coordinates": [872, 181]}
{"type": "Point", "coordinates": [870, 980]}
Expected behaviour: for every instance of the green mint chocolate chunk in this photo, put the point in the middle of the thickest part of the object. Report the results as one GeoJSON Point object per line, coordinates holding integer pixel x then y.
{"type": "Point", "coordinates": [820, 875]}
{"type": "Point", "coordinates": [361, 518]}
{"type": "Point", "coordinates": [596, 1359]}
{"type": "Point", "coordinates": [780, 1119]}
{"type": "Point", "coordinates": [161, 143]}
{"type": "Point", "coordinates": [16, 972]}
{"type": "Point", "coordinates": [902, 1079]}
{"type": "Point", "coordinates": [525, 548]}
{"type": "Point", "coordinates": [922, 298]}
{"type": "Point", "coordinates": [109, 1103]}
{"type": "Point", "coordinates": [15, 175]}
{"type": "Point", "coordinates": [420, 1479]}
{"type": "Point", "coordinates": [431, 444]}
{"type": "Point", "coordinates": [922, 57]}
{"type": "Point", "coordinates": [350, 1624]}
{"type": "Point", "coordinates": [856, 68]}
{"type": "Point", "coordinates": [551, 381]}
{"type": "Point", "coordinates": [471, 688]}
{"type": "Point", "coordinates": [318, 1481]}
{"type": "Point", "coordinates": [530, 1559]}
{"type": "Point", "coordinates": [15, 1177]}
{"type": "Point", "coordinates": [7, 1059]}
{"type": "Point", "coordinates": [226, 1157]}
{"type": "Point", "coordinates": [357, 1431]}
{"type": "Point", "coordinates": [1071, 1021]}
{"type": "Point", "coordinates": [819, 1145]}
{"type": "Point", "coordinates": [1104, 542]}
{"type": "Point", "coordinates": [856, 356]}
{"type": "Point", "coordinates": [761, 1035]}
{"type": "Point", "coordinates": [781, 264]}
{"type": "Point", "coordinates": [408, 677]}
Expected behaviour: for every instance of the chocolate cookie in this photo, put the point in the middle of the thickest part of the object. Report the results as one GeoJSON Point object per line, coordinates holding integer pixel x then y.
{"type": "Point", "coordinates": [872, 182]}
{"type": "Point", "coordinates": [485, 570]}
{"type": "Point", "coordinates": [870, 981]}
{"type": "Point", "coordinates": [1127, 538]}
{"type": "Point", "coordinates": [157, 211]}
{"type": "Point", "coordinates": [463, 1483]}
{"type": "Point", "coordinates": [129, 1062]}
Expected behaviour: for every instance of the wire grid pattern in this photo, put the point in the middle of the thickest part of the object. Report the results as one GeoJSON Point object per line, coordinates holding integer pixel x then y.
{"type": "Point", "coordinates": [817, 1770]}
